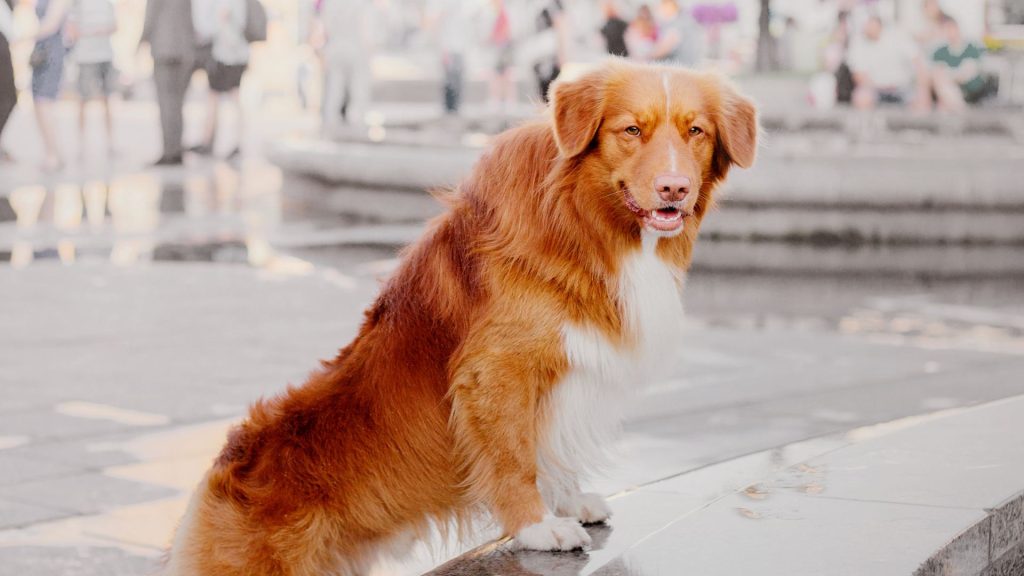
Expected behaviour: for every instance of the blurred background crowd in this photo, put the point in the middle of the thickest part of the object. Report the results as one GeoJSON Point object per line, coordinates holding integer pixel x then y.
{"type": "Point", "coordinates": [324, 57]}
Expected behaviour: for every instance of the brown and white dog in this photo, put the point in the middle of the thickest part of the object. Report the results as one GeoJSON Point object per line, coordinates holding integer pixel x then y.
{"type": "Point", "coordinates": [491, 371]}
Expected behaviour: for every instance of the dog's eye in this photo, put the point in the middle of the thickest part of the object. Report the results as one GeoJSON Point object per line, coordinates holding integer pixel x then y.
{"type": "Point", "coordinates": [695, 131]}
{"type": "Point", "coordinates": [633, 130]}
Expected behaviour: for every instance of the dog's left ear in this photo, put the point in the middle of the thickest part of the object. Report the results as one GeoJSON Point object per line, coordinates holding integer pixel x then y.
{"type": "Point", "coordinates": [737, 127]}
{"type": "Point", "coordinates": [578, 106]}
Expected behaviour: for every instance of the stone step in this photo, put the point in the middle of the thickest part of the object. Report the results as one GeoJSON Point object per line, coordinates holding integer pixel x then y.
{"type": "Point", "coordinates": [863, 197]}
{"type": "Point", "coordinates": [927, 495]}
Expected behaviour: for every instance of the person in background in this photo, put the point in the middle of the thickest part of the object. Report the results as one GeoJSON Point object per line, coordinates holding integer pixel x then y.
{"type": "Point", "coordinates": [502, 86]}
{"type": "Point", "coordinates": [170, 33]}
{"type": "Point", "coordinates": [786, 44]}
{"type": "Point", "coordinates": [90, 27]}
{"type": "Point", "coordinates": [549, 44]}
{"type": "Point", "coordinates": [205, 22]}
{"type": "Point", "coordinates": [47, 61]}
{"type": "Point", "coordinates": [348, 29]}
{"type": "Point", "coordinates": [614, 30]}
{"type": "Point", "coordinates": [929, 35]}
{"type": "Point", "coordinates": [957, 75]}
{"type": "Point", "coordinates": [230, 54]}
{"type": "Point", "coordinates": [642, 34]}
{"type": "Point", "coordinates": [887, 67]}
{"type": "Point", "coordinates": [452, 23]}
{"type": "Point", "coordinates": [681, 38]}
{"type": "Point", "coordinates": [8, 90]}
{"type": "Point", "coordinates": [836, 57]}
{"type": "Point", "coordinates": [304, 76]}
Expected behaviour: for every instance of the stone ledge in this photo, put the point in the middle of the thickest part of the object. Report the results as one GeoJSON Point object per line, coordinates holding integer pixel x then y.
{"type": "Point", "coordinates": [875, 501]}
{"type": "Point", "coordinates": [992, 547]}
{"type": "Point", "coordinates": [805, 176]}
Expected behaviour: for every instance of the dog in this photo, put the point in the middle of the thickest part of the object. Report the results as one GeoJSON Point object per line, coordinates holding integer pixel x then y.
{"type": "Point", "coordinates": [490, 373]}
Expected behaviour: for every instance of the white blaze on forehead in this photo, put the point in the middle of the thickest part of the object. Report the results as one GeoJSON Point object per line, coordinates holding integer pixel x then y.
{"type": "Point", "coordinates": [668, 118]}
{"type": "Point", "coordinates": [668, 98]}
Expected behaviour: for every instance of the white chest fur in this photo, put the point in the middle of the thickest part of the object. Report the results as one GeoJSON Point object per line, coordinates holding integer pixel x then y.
{"type": "Point", "coordinates": [585, 410]}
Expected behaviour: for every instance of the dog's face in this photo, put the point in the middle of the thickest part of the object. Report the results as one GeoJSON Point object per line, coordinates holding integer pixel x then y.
{"type": "Point", "coordinates": [653, 140]}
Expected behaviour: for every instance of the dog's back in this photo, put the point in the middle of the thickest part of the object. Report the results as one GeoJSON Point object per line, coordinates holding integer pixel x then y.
{"type": "Point", "coordinates": [324, 476]}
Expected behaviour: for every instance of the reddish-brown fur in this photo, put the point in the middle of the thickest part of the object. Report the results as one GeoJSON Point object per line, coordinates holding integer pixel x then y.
{"type": "Point", "coordinates": [432, 413]}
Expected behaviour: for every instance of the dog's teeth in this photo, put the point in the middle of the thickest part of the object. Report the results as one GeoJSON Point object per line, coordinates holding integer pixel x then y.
{"type": "Point", "coordinates": [670, 217]}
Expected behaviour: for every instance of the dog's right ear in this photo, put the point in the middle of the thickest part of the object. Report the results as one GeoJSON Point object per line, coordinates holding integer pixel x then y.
{"type": "Point", "coordinates": [578, 107]}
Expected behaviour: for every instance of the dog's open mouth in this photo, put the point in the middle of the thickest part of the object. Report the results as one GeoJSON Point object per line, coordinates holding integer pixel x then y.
{"type": "Point", "coordinates": [666, 218]}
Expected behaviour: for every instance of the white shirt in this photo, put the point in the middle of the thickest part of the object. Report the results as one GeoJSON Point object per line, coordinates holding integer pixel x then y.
{"type": "Point", "coordinates": [205, 20]}
{"type": "Point", "coordinates": [91, 16]}
{"type": "Point", "coordinates": [229, 44]}
{"type": "Point", "coordinates": [888, 61]}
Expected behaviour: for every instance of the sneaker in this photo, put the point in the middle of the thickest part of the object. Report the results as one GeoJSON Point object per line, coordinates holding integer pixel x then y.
{"type": "Point", "coordinates": [202, 150]}
{"type": "Point", "coordinates": [169, 161]}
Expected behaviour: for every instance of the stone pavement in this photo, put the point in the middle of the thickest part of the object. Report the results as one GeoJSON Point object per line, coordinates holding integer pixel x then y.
{"type": "Point", "coordinates": [122, 380]}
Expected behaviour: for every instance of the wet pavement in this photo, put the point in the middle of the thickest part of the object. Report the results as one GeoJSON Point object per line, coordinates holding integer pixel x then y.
{"type": "Point", "coordinates": [144, 309]}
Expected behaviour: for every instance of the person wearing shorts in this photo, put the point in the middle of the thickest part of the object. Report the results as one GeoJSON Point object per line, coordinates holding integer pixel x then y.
{"type": "Point", "coordinates": [205, 21]}
{"type": "Point", "coordinates": [502, 82]}
{"type": "Point", "coordinates": [229, 58]}
{"type": "Point", "coordinates": [226, 78]}
{"type": "Point", "coordinates": [47, 61]}
{"type": "Point", "coordinates": [91, 26]}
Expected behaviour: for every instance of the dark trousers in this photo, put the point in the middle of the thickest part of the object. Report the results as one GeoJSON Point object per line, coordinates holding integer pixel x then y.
{"type": "Point", "coordinates": [453, 83]}
{"type": "Point", "coordinates": [172, 79]}
{"type": "Point", "coordinates": [8, 92]}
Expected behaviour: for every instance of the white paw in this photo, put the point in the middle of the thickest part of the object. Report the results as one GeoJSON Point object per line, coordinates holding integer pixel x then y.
{"type": "Point", "coordinates": [553, 533]}
{"type": "Point", "coordinates": [589, 508]}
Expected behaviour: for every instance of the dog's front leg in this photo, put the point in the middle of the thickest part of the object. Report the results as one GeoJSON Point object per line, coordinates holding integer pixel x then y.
{"type": "Point", "coordinates": [495, 394]}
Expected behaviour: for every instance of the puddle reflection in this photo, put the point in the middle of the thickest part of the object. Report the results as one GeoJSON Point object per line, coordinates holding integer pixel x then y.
{"type": "Point", "coordinates": [218, 214]}
{"type": "Point", "coordinates": [973, 313]}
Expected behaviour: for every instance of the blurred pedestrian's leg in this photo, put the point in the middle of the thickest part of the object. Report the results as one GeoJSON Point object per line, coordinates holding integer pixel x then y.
{"type": "Point", "coordinates": [108, 121]}
{"type": "Point", "coordinates": [205, 62]}
{"type": "Point", "coordinates": [865, 98]}
{"type": "Point", "coordinates": [947, 91]}
{"type": "Point", "coordinates": [172, 78]}
{"type": "Point", "coordinates": [8, 91]}
{"type": "Point", "coordinates": [205, 146]}
{"type": "Point", "coordinates": [360, 90]}
{"type": "Point", "coordinates": [334, 95]}
{"type": "Point", "coordinates": [921, 98]}
{"type": "Point", "coordinates": [453, 67]}
{"type": "Point", "coordinates": [44, 118]}
{"type": "Point", "coordinates": [235, 97]}
{"type": "Point", "coordinates": [83, 105]}
{"type": "Point", "coordinates": [95, 83]}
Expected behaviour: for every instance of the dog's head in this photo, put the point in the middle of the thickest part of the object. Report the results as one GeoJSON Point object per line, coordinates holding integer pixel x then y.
{"type": "Point", "coordinates": [652, 141]}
